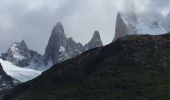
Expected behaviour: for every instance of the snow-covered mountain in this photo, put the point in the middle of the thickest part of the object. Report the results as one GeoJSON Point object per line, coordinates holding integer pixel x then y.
{"type": "Point", "coordinates": [61, 48]}
{"type": "Point", "coordinates": [21, 56]}
{"type": "Point", "coordinates": [131, 23]}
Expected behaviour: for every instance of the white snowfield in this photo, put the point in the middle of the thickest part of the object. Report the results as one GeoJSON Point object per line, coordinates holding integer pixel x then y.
{"type": "Point", "coordinates": [21, 74]}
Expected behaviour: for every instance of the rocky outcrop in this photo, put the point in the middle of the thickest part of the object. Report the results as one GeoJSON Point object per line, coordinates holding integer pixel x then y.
{"type": "Point", "coordinates": [20, 55]}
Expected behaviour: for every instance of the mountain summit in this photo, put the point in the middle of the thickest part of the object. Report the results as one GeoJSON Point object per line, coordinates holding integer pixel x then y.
{"type": "Point", "coordinates": [95, 41]}
{"type": "Point", "coordinates": [20, 55]}
{"type": "Point", "coordinates": [57, 43]}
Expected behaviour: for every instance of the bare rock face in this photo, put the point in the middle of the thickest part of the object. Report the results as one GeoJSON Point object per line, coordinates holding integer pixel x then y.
{"type": "Point", "coordinates": [95, 41]}
{"type": "Point", "coordinates": [21, 56]}
{"type": "Point", "coordinates": [56, 43]}
{"type": "Point", "coordinates": [132, 23]}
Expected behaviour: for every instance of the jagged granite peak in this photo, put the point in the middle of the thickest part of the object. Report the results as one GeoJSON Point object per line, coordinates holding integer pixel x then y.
{"type": "Point", "coordinates": [6, 82]}
{"type": "Point", "coordinates": [121, 28]}
{"type": "Point", "coordinates": [20, 55]}
{"type": "Point", "coordinates": [61, 48]}
{"type": "Point", "coordinates": [57, 40]}
{"type": "Point", "coordinates": [95, 41]}
{"type": "Point", "coordinates": [128, 23]}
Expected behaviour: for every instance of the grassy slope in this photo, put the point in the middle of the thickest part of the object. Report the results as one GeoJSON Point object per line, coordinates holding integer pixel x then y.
{"type": "Point", "coordinates": [132, 68]}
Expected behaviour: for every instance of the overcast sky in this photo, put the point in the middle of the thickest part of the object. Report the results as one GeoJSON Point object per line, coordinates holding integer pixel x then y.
{"type": "Point", "coordinates": [33, 20]}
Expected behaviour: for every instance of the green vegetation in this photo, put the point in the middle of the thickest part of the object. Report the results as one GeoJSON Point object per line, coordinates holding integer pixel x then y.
{"type": "Point", "coordinates": [131, 68]}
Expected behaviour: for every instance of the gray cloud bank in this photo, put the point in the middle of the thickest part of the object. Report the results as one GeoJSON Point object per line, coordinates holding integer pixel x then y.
{"type": "Point", "coordinates": [33, 20]}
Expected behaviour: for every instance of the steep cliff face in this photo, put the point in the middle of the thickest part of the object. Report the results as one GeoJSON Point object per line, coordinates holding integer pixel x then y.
{"type": "Point", "coordinates": [57, 40]}
{"type": "Point", "coordinates": [131, 23]}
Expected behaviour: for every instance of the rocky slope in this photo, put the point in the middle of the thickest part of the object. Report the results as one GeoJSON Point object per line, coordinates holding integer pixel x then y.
{"type": "Point", "coordinates": [131, 68]}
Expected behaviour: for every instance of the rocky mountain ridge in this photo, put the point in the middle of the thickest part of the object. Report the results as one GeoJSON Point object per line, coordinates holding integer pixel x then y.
{"type": "Point", "coordinates": [58, 49]}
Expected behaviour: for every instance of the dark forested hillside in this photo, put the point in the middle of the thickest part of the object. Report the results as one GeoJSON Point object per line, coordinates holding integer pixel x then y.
{"type": "Point", "coordinates": [135, 67]}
